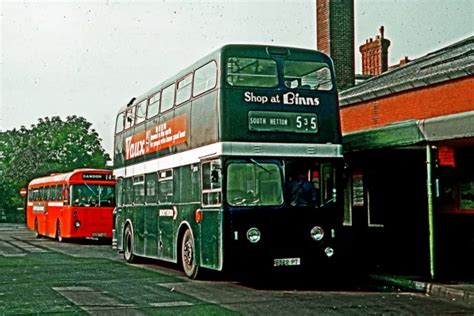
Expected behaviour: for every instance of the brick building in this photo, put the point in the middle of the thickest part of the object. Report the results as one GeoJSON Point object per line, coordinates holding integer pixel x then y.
{"type": "Point", "coordinates": [375, 55]}
{"type": "Point", "coordinates": [409, 144]}
{"type": "Point", "coordinates": [335, 37]}
{"type": "Point", "coordinates": [408, 132]}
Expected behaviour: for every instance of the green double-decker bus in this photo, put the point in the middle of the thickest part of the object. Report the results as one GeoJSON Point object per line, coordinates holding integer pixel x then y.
{"type": "Point", "coordinates": [233, 163]}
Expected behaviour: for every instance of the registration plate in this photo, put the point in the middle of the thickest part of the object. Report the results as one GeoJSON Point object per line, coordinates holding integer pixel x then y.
{"type": "Point", "coordinates": [286, 262]}
{"type": "Point", "coordinates": [98, 234]}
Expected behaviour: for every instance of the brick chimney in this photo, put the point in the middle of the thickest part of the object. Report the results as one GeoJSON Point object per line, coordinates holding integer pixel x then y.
{"type": "Point", "coordinates": [375, 55]}
{"type": "Point", "coordinates": [335, 37]}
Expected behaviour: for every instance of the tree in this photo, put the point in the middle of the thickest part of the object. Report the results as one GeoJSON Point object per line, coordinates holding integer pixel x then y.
{"type": "Point", "coordinates": [52, 145]}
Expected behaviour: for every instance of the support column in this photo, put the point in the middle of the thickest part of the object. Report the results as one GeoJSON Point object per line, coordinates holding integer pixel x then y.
{"type": "Point", "coordinates": [429, 190]}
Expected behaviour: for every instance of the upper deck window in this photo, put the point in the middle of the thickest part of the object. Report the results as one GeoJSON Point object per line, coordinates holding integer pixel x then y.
{"type": "Point", "coordinates": [120, 122]}
{"type": "Point", "coordinates": [154, 105]}
{"type": "Point", "coordinates": [251, 72]}
{"type": "Point", "coordinates": [130, 117]}
{"type": "Point", "coordinates": [141, 112]}
{"type": "Point", "coordinates": [183, 93]}
{"type": "Point", "coordinates": [167, 98]}
{"type": "Point", "coordinates": [205, 78]}
{"type": "Point", "coordinates": [307, 75]}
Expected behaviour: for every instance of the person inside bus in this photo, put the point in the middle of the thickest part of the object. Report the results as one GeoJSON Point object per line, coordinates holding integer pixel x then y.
{"type": "Point", "coordinates": [301, 191]}
{"type": "Point", "coordinates": [80, 198]}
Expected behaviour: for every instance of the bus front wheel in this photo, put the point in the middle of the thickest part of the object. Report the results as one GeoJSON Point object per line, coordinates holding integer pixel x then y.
{"type": "Point", "coordinates": [188, 255]}
{"type": "Point", "coordinates": [128, 245]}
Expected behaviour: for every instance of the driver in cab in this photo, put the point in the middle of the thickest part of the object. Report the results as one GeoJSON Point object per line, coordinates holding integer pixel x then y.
{"type": "Point", "coordinates": [301, 191]}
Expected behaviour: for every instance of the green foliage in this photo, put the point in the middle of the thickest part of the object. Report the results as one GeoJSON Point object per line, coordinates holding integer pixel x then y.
{"type": "Point", "coordinates": [50, 146]}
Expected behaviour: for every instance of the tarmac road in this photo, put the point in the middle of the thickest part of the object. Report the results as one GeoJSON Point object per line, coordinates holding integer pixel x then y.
{"type": "Point", "coordinates": [88, 277]}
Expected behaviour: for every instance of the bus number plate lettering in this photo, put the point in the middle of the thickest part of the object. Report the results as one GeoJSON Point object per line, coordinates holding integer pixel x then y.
{"type": "Point", "coordinates": [286, 262]}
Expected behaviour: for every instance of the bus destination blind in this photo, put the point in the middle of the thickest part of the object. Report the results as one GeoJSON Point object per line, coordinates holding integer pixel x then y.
{"type": "Point", "coordinates": [292, 122]}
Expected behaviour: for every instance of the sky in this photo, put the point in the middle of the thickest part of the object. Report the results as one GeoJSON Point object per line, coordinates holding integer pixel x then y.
{"type": "Point", "coordinates": [89, 58]}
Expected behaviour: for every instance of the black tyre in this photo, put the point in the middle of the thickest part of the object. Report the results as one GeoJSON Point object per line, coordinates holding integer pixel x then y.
{"type": "Point", "coordinates": [188, 254]}
{"type": "Point", "coordinates": [128, 245]}
{"type": "Point", "coordinates": [58, 232]}
{"type": "Point", "coordinates": [37, 234]}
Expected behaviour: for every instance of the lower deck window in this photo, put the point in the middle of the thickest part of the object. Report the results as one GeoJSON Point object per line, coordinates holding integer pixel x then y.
{"type": "Point", "coordinates": [166, 190]}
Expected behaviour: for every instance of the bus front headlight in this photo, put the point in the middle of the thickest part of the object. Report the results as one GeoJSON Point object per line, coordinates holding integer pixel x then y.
{"type": "Point", "coordinates": [317, 233]}
{"type": "Point", "coordinates": [253, 235]}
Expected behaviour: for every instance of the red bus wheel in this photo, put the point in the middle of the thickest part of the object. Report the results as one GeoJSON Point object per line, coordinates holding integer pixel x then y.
{"type": "Point", "coordinates": [188, 255]}
{"type": "Point", "coordinates": [128, 245]}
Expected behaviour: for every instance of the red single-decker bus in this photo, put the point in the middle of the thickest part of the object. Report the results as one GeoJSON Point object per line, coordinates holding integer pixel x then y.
{"type": "Point", "coordinates": [77, 204]}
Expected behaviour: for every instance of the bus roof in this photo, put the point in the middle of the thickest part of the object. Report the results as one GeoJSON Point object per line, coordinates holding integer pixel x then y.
{"type": "Point", "coordinates": [215, 54]}
{"type": "Point", "coordinates": [65, 177]}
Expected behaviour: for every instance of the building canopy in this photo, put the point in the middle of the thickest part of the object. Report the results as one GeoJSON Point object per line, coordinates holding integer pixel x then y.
{"type": "Point", "coordinates": [412, 132]}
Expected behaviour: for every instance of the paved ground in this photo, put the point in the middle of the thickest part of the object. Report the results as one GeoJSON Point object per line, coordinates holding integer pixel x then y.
{"type": "Point", "coordinates": [44, 276]}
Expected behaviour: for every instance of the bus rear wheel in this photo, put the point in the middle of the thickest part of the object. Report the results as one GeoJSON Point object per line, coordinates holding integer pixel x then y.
{"type": "Point", "coordinates": [37, 234]}
{"type": "Point", "coordinates": [58, 232]}
{"type": "Point", "coordinates": [128, 245]}
{"type": "Point", "coordinates": [188, 255]}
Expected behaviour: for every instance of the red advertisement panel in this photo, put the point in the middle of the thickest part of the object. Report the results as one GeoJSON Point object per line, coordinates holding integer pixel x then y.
{"type": "Point", "coordinates": [161, 136]}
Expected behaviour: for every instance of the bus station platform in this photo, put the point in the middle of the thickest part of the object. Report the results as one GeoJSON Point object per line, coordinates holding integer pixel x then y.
{"type": "Point", "coordinates": [455, 290]}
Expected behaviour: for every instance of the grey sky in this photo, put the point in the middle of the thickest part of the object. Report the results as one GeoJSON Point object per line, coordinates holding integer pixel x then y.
{"type": "Point", "coordinates": [88, 58]}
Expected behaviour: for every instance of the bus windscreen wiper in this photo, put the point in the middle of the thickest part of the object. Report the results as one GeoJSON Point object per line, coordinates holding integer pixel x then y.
{"type": "Point", "coordinates": [260, 166]}
{"type": "Point", "coordinates": [90, 189]}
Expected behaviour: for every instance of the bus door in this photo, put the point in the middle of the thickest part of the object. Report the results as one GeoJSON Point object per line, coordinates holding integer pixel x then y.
{"type": "Point", "coordinates": [208, 236]}
{"type": "Point", "coordinates": [49, 214]}
{"type": "Point", "coordinates": [138, 211]}
{"type": "Point", "coordinates": [39, 211]}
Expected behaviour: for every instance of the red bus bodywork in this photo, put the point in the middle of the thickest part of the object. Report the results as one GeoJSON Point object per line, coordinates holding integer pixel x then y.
{"type": "Point", "coordinates": [77, 204]}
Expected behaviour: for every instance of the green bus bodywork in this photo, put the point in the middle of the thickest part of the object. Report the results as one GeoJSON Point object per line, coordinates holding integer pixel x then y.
{"type": "Point", "coordinates": [201, 177]}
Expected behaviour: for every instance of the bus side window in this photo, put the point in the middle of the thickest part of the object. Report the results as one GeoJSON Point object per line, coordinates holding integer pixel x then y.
{"type": "Point", "coordinates": [41, 195]}
{"type": "Point", "coordinates": [211, 183]}
{"type": "Point", "coordinates": [130, 117]}
{"type": "Point", "coordinates": [139, 189]}
{"type": "Point", "coordinates": [65, 194]}
{"type": "Point", "coordinates": [205, 78]}
{"type": "Point", "coordinates": [120, 124]}
{"type": "Point", "coordinates": [59, 193]}
{"type": "Point", "coordinates": [167, 98]}
{"type": "Point", "coordinates": [47, 193]}
{"type": "Point", "coordinates": [151, 182]}
{"type": "Point", "coordinates": [52, 193]}
{"type": "Point", "coordinates": [128, 191]}
{"type": "Point", "coordinates": [153, 105]}
{"type": "Point", "coordinates": [166, 190]}
{"type": "Point", "coordinates": [119, 191]}
{"type": "Point", "coordinates": [140, 114]}
{"type": "Point", "coordinates": [328, 183]}
{"type": "Point", "coordinates": [183, 91]}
